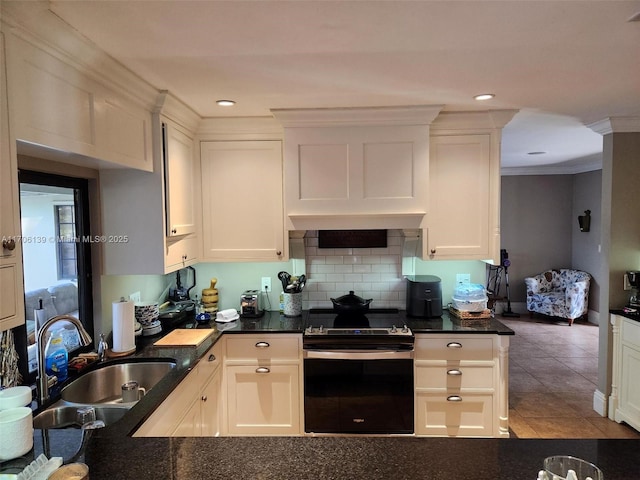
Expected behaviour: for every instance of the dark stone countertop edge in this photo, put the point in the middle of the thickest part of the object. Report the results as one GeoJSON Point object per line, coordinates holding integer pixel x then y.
{"type": "Point", "coordinates": [622, 313]}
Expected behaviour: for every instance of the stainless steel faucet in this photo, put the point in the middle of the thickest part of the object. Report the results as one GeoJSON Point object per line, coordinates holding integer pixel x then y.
{"type": "Point", "coordinates": [42, 383]}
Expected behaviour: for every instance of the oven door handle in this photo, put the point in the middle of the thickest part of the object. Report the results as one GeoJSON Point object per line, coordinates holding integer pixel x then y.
{"type": "Point", "coordinates": [353, 354]}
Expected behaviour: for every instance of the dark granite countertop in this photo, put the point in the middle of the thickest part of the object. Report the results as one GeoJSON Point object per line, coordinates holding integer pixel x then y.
{"type": "Point", "coordinates": [113, 454]}
{"type": "Point", "coordinates": [626, 314]}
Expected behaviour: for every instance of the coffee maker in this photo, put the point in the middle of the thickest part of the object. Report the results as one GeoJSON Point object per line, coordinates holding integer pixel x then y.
{"type": "Point", "coordinates": [634, 281]}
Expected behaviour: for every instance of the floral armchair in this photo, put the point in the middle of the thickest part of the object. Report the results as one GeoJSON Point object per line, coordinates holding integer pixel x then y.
{"type": "Point", "coordinates": [560, 293]}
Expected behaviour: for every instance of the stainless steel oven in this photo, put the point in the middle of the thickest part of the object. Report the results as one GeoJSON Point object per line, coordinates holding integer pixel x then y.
{"type": "Point", "coordinates": [358, 374]}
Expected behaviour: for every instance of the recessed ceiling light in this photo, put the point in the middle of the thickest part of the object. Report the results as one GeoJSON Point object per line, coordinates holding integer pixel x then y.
{"type": "Point", "coordinates": [484, 96]}
{"type": "Point", "coordinates": [537, 153]}
{"type": "Point", "coordinates": [225, 103]}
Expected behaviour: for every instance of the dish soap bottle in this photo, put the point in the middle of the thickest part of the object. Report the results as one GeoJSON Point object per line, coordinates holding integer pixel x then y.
{"type": "Point", "coordinates": [56, 357]}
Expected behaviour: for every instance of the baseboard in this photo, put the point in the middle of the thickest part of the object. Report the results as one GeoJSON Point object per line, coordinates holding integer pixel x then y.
{"type": "Point", "coordinates": [600, 403]}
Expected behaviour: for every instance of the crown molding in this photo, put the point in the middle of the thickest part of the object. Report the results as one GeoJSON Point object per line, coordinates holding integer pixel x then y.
{"type": "Point", "coordinates": [35, 24]}
{"type": "Point", "coordinates": [557, 169]}
{"type": "Point", "coordinates": [366, 116]}
{"type": "Point", "coordinates": [240, 128]}
{"type": "Point", "coordinates": [484, 119]}
{"type": "Point", "coordinates": [626, 124]}
{"type": "Point", "coordinates": [173, 108]}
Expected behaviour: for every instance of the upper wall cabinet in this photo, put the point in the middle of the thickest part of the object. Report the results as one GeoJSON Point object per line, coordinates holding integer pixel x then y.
{"type": "Point", "coordinates": [464, 186]}
{"type": "Point", "coordinates": [55, 104]}
{"type": "Point", "coordinates": [179, 160]}
{"type": "Point", "coordinates": [242, 201]}
{"type": "Point", "coordinates": [356, 168]}
{"type": "Point", "coordinates": [11, 286]}
{"type": "Point", "coordinates": [156, 211]}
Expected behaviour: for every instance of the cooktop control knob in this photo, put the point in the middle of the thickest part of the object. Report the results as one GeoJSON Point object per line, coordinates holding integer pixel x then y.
{"type": "Point", "coordinates": [394, 329]}
{"type": "Point", "coordinates": [405, 329]}
{"type": "Point", "coordinates": [320, 328]}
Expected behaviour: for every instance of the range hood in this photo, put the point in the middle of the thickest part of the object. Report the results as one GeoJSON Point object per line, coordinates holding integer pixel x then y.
{"type": "Point", "coordinates": [356, 168]}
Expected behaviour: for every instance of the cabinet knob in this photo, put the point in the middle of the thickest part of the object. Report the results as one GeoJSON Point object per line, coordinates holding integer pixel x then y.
{"type": "Point", "coordinates": [204, 398]}
{"type": "Point", "coordinates": [454, 345]}
{"type": "Point", "coordinates": [262, 345]}
{"type": "Point", "coordinates": [9, 244]}
{"type": "Point", "coordinates": [454, 398]}
{"type": "Point", "coordinates": [262, 370]}
{"type": "Point", "coordinates": [433, 251]}
{"type": "Point", "coordinates": [174, 230]}
{"type": "Point", "coordinates": [279, 253]}
{"type": "Point", "coordinates": [212, 358]}
{"type": "Point", "coordinates": [454, 372]}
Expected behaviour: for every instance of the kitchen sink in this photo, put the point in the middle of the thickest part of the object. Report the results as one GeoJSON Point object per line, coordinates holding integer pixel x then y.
{"type": "Point", "coordinates": [101, 389]}
{"type": "Point", "coordinates": [67, 416]}
{"type": "Point", "coordinates": [104, 385]}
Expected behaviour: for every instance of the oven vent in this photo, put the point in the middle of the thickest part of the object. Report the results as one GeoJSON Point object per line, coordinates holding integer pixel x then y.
{"type": "Point", "coordinates": [352, 239]}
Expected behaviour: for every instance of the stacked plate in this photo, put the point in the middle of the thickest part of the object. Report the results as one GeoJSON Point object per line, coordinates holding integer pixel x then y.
{"type": "Point", "coordinates": [147, 315]}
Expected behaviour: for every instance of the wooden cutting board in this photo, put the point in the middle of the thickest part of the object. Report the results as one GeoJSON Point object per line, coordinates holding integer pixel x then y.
{"type": "Point", "coordinates": [180, 337]}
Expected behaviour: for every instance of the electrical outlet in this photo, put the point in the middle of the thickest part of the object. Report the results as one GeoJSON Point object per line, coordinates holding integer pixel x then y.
{"type": "Point", "coordinates": [135, 297]}
{"type": "Point", "coordinates": [265, 285]}
{"type": "Point", "coordinates": [463, 278]}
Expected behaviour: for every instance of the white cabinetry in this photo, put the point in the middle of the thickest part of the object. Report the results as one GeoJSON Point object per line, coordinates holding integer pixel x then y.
{"type": "Point", "coordinates": [180, 179]}
{"type": "Point", "coordinates": [193, 408]}
{"type": "Point", "coordinates": [156, 211]}
{"type": "Point", "coordinates": [356, 168]}
{"type": "Point", "coordinates": [263, 385]}
{"type": "Point", "coordinates": [53, 103]}
{"type": "Point", "coordinates": [11, 285]}
{"type": "Point", "coordinates": [242, 201]}
{"type": "Point", "coordinates": [461, 385]}
{"type": "Point", "coordinates": [624, 405]}
{"type": "Point", "coordinates": [464, 186]}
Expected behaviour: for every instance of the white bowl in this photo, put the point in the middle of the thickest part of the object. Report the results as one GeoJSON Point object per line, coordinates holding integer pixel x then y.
{"type": "Point", "coordinates": [16, 425]}
{"type": "Point", "coordinates": [15, 397]}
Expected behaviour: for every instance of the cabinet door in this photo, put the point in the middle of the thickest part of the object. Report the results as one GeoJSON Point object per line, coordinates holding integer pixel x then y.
{"type": "Point", "coordinates": [461, 198]}
{"type": "Point", "coordinates": [242, 201]}
{"type": "Point", "coordinates": [191, 423]}
{"type": "Point", "coordinates": [210, 406]}
{"type": "Point", "coordinates": [179, 180]}
{"type": "Point", "coordinates": [629, 385]}
{"type": "Point", "coordinates": [263, 400]}
{"type": "Point", "coordinates": [11, 286]}
{"type": "Point", "coordinates": [181, 252]}
{"type": "Point", "coordinates": [170, 416]}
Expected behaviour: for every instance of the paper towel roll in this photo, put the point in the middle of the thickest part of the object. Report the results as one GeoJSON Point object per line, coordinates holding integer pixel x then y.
{"type": "Point", "coordinates": [40, 315]}
{"type": "Point", "coordinates": [123, 327]}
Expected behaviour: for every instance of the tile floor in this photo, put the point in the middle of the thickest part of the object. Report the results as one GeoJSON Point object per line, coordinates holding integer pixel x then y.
{"type": "Point", "coordinates": [553, 373]}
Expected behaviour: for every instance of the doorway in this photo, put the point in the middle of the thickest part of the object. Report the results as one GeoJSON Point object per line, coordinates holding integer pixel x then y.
{"type": "Point", "coordinates": [54, 215]}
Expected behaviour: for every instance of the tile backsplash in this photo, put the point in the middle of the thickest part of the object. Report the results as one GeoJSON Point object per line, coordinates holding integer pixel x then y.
{"type": "Point", "coordinates": [374, 273]}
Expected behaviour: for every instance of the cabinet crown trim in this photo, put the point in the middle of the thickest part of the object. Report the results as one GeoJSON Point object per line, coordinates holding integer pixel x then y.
{"type": "Point", "coordinates": [371, 116]}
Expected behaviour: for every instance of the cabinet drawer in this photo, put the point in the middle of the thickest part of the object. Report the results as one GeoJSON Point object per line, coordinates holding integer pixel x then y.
{"type": "Point", "coordinates": [631, 333]}
{"type": "Point", "coordinates": [454, 348]}
{"type": "Point", "coordinates": [454, 377]}
{"type": "Point", "coordinates": [263, 347]}
{"type": "Point", "coordinates": [440, 414]}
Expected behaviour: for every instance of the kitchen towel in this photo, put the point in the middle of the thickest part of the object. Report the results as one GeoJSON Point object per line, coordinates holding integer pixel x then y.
{"type": "Point", "coordinates": [227, 315]}
{"type": "Point", "coordinates": [123, 327]}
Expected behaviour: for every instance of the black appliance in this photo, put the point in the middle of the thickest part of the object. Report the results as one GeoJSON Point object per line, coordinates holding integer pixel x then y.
{"type": "Point", "coordinates": [424, 296]}
{"type": "Point", "coordinates": [358, 373]}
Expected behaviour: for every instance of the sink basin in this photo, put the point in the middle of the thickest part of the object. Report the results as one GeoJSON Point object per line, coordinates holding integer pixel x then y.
{"type": "Point", "coordinates": [104, 385]}
{"type": "Point", "coordinates": [66, 416]}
